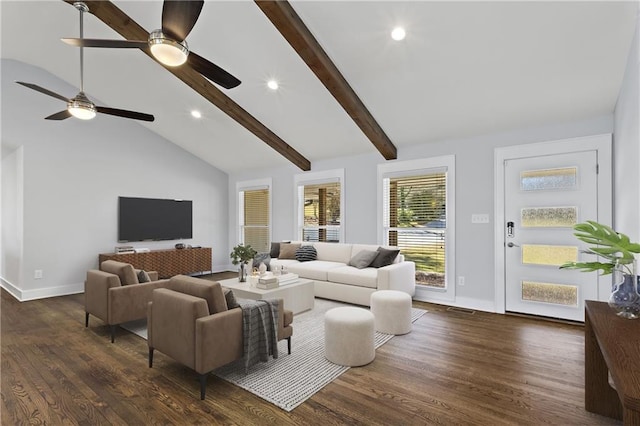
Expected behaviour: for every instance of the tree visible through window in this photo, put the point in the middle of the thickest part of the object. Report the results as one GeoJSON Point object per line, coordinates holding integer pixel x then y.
{"type": "Point", "coordinates": [415, 213]}
{"type": "Point", "coordinates": [321, 212]}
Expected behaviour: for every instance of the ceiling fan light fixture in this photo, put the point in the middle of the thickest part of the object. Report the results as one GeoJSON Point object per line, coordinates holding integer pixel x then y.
{"type": "Point", "coordinates": [169, 52]}
{"type": "Point", "coordinates": [81, 107]}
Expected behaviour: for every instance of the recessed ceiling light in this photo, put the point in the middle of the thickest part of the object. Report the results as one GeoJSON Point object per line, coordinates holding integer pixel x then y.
{"type": "Point", "coordinates": [272, 84]}
{"type": "Point", "coordinates": [196, 114]}
{"type": "Point", "coordinates": [398, 33]}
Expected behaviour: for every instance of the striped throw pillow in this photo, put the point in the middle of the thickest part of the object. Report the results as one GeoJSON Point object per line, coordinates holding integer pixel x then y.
{"type": "Point", "coordinates": [306, 253]}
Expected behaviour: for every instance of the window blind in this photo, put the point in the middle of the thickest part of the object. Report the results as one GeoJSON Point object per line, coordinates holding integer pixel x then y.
{"type": "Point", "coordinates": [255, 218]}
{"type": "Point", "coordinates": [414, 219]}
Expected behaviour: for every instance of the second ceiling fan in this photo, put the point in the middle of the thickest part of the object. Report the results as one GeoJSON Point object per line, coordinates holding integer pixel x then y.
{"type": "Point", "coordinates": [168, 44]}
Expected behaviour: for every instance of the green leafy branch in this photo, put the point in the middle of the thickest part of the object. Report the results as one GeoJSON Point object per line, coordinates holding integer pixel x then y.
{"type": "Point", "coordinates": [242, 254]}
{"type": "Point", "coordinates": [608, 244]}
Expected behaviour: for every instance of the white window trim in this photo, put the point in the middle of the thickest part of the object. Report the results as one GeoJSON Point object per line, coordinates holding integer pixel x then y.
{"type": "Point", "coordinates": [419, 166]}
{"type": "Point", "coordinates": [246, 186]}
{"type": "Point", "coordinates": [310, 178]}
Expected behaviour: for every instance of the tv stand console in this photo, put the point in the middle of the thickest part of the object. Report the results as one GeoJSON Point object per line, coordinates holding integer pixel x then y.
{"type": "Point", "coordinates": [168, 262]}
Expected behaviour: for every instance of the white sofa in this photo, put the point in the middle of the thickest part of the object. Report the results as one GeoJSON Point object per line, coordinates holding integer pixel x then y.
{"type": "Point", "coordinates": [335, 279]}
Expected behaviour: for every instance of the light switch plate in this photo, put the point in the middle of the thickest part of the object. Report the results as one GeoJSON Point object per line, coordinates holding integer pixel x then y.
{"type": "Point", "coordinates": [479, 218]}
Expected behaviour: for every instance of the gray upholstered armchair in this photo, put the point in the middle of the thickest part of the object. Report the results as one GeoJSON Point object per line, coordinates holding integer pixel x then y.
{"type": "Point", "coordinates": [189, 321]}
{"type": "Point", "coordinates": [115, 295]}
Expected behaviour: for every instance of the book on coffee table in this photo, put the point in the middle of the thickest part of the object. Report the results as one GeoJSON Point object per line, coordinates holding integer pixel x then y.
{"type": "Point", "coordinates": [269, 282]}
{"type": "Point", "coordinates": [287, 279]}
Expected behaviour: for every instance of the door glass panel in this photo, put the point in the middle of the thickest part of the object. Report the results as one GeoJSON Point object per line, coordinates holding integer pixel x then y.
{"type": "Point", "coordinates": [536, 254]}
{"type": "Point", "coordinates": [559, 294]}
{"type": "Point", "coordinates": [535, 217]}
{"type": "Point", "coordinates": [548, 179]}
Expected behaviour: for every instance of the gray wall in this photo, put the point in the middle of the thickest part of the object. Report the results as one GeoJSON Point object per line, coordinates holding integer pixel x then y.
{"type": "Point", "coordinates": [74, 171]}
{"type": "Point", "coordinates": [474, 256]}
{"type": "Point", "coordinates": [72, 175]}
{"type": "Point", "coordinates": [627, 148]}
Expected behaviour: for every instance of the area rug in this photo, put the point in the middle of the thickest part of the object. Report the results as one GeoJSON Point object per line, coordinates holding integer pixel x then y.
{"type": "Point", "coordinates": [290, 379]}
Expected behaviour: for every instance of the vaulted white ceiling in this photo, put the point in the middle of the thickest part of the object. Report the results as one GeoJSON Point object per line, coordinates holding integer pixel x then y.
{"type": "Point", "coordinates": [465, 68]}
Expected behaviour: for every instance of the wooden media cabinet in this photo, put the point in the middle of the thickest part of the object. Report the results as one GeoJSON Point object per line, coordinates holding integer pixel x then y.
{"type": "Point", "coordinates": [168, 262]}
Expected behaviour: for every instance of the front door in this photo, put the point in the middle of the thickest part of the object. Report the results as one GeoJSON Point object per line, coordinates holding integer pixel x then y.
{"type": "Point", "coordinates": [544, 197]}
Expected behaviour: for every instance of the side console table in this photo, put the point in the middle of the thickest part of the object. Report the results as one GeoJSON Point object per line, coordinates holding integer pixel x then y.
{"type": "Point", "coordinates": [167, 262]}
{"type": "Point", "coordinates": [611, 345]}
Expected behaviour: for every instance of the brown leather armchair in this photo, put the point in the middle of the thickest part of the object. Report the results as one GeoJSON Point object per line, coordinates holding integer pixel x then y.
{"type": "Point", "coordinates": [190, 322]}
{"type": "Point", "coordinates": [114, 294]}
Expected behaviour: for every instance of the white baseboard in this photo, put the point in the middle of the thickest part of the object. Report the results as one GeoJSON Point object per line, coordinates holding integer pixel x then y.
{"type": "Point", "coordinates": [41, 293]}
{"type": "Point", "coordinates": [11, 289]}
{"type": "Point", "coordinates": [462, 302]}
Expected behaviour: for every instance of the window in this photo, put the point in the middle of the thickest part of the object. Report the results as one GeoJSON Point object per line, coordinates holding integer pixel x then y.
{"type": "Point", "coordinates": [254, 214]}
{"type": "Point", "coordinates": [416, 216]}
{"type": "Point", "coordinates": [319, 206]}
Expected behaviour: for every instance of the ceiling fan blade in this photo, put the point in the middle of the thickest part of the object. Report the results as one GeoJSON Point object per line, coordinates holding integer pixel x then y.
{"type": "Point", "coordinates": [92, 42]}
{"type": "Point", "coordinates": [212, 71]}
{"type": "Point", "coordinates": [179, 17]}
{"type": "Point", "coordinates": [59, 115]}
{"type": "Point", "coordinates": [43, 90]}
{"type": "Point", "coordinates": [126, 114]}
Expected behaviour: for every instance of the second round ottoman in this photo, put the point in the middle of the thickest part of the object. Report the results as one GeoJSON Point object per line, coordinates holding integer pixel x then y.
{"type": "Point", "coordinates": [349, 336]}
{"type": "Point", "coordinates": [392, 310]}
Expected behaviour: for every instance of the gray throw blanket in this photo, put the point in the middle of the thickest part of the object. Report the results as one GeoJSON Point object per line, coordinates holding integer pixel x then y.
{"type": "Point", "coordinates": [260, 330]}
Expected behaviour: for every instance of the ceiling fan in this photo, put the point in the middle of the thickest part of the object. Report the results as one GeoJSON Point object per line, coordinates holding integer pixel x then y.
{"type": "Point", "coordinates": [80, 106]}
{"type": "Point", "coordinates": [168, 45]}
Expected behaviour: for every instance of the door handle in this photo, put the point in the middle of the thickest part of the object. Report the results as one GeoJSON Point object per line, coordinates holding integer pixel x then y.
{"type": "Point", "coordinates": [512, 245]}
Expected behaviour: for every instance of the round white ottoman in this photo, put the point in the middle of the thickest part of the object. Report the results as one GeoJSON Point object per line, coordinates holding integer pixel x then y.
{"type": "Point", "coordinates": [348, 336]}
{"type": "Point", "coordinates": [392, 311]}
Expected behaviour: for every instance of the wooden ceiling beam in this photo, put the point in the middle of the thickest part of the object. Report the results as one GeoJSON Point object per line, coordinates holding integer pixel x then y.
{"type": "Point", "coordinates": [115, 18]}
{"type": "Point", "coordinates": [286, 20]}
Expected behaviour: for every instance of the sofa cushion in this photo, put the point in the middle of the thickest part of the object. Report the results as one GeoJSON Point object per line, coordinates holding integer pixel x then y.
{"type": "Point", "coordinates": [230, 298]}
{"type": "Point", "coordinates": [124, 271]}
{"type": "Point", "coordinates": [143, 276]}
{"type": "Point", "coordinates": [314, 270]}
{"type": "Point", "coordinates": [262, 258]}
{"type": "Point", "coordinates": [275, 250]}
{"type": "Point", "coordinates": [385, 257]}
{"type": "Point", "coordinates": [333, 252]}
{"type": "Point", "coordinates": [363, 259]}
{"type": "Point", "coordinates": [306, 254]}
{"type": "Point", "coordinates": [288, 250]}
{"type": "Point", "coordinates": [367, 277]}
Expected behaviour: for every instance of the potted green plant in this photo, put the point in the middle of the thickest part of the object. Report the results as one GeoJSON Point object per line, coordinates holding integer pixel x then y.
{"type": "Point", "coordinates": [618, 258]}
{"type": "Point", "coordinates": [242, 254]}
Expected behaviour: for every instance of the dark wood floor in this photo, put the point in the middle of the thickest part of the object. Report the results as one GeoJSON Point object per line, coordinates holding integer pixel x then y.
{"type": "Point", "coordinates": [453, 368]}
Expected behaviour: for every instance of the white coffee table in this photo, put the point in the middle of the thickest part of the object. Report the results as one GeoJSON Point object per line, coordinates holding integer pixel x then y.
{"type": "Point", "coordinates": [298, 296]}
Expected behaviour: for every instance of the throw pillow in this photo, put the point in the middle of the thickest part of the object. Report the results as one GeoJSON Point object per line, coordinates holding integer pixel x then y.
{"type": "Point", "coordinates": [275, 250]}
{"type": "Point", "coordinates": [230, 299]}
{"type": "Point", "coordinates": [143, 277]}
{"type": "Point", "coordinates": [288, 251]}
{"type": "Point", "coordinates": [306, 253]}
{"type": "Point", "coordinates": [262, 258]}
{"type": "Point", "coordinates": [385, 257]}
{"type": "Point", "coordinates": [363, 259]}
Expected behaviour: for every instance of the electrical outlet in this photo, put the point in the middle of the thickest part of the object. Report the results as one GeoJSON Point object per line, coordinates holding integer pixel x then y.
{"type": "Point", "coordinates": [479, 218]}
{"type": "Point", "coordinates": [460, 280]}
{"type": "Point", "coordinates": [37, 274]}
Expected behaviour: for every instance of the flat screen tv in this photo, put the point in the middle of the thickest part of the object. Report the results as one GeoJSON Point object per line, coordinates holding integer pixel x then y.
{"type": "Point", "coordinates": [141, 219]}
